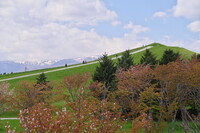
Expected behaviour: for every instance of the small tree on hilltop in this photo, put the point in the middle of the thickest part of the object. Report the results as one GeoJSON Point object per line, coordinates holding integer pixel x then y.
{"type": "Point", "coordinates": [148, 58]}
{"type": "Point", "coordinates": [105, 73]}
{"type": "Point", "coordinates": [126, 61]}
{"type": "Point", "coordinates": [42, 79]}
{"type": "Point", "coordinates": [168, 56]}
{"type": "Point", "coordinates": [46, 87]}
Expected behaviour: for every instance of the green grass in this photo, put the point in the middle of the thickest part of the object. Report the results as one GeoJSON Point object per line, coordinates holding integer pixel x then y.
{"type": "Point", "coordinates": [126, 127]}
{"type": "Point", "coordinates": [58, 75]}
{"type": "Point", "coordinates": [13, 124]}
{"type": "Point", "coordinates": [178, 129]}
{"type": "Point", "coordinates": [9, 114]}
{"type": "Point", "coordinates": [157, 50]}
{"type": "Point", "coordinates": [27, 72]}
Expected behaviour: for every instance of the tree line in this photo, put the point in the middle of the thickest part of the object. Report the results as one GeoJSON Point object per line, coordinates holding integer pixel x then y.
{"type": "Point", "coordinates": [164, 90]}
{"type": "Point", "coordinates": [153, 95]}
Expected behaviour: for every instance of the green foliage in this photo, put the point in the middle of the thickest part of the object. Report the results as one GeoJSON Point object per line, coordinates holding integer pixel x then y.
{"type": "Point", "coordinates": [58, 76]}
{"type": "Point", "coordinates": [148, 58]}
{"type": "Point", "coordinates": [42, 79]}
{"type": "Point", "coordinates": [198, 56]}
{"type": "Point", "coordinates": [169, 56]}
{"type": "Point", "coordinates": [13, 123]}
{"type": "Point", "coordinates": [105, 72]}
{"type": "Point", "coordinates": [126, 61]}
{"type": "Point", "coordinates": [4, 97]}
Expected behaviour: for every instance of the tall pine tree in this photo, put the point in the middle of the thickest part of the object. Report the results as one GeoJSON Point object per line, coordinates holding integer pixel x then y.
{"type": "Point", "coordinates": [105, 73]}
{"type": "Point", "coordinates": [126, 61]}
{"type": "Point", "coordinates": [148, 58]}
{"type": "Point", "coordinates": [168, 56]}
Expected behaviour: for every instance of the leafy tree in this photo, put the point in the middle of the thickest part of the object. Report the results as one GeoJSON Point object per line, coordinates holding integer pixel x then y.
{"type": "Point", "coordinates": [179, 82]}
{"type": "Point", "coordinates": [126, 61]}
{"type": "Point", "coordinates": [142, 122]}
{"type": "Point", "coordinates": [130, 84]}
{"type": "Point", "coordinates": [42, 79]}
{"type": "Point", "coordinates": [5, 94]}
{"type": "Point", "coordinates": [28, 94]}
{"type": "Point", "coordinates": [198, 57]}
{"type": "Point", "coordinates": [97, 90]}
{"type": "Point", "coordinates": [148, 58]}
{"type": "Point", "coordinates": [73, 83]}
{"type": "Point", "coordinates": [85, 114]}
{"type": "Point", "coordinates": [105, 73]}
{"type": "Point", "coordinates": [168, 56]}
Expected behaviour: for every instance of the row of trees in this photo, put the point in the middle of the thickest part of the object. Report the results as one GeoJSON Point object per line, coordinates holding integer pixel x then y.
{"type": "Point", "coordinates": [106, 71]}
{"type": "Point", "coordinates": [165, 93]}
{"type": "Point", "coordinates": [140, 93]}
{"type": "Point", "coordinates": [81, 112]}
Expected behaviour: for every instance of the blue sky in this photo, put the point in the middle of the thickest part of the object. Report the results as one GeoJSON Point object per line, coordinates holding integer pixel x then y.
{"type": "Point", "coordinates": [57, 29]}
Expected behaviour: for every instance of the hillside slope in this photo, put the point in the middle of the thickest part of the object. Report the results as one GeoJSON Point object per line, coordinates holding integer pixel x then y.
{"type": "Point", "coordinates": [156, 48]}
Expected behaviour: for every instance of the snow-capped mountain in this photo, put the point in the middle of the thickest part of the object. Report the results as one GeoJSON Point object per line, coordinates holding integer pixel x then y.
{"type": "Point", "coordinates": [21, 66]}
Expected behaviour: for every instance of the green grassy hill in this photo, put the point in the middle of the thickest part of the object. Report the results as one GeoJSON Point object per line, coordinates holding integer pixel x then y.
{"type": "Point", "coordinates": [158, 49]}
{"type": "Point", "coordinates": [57, 76]}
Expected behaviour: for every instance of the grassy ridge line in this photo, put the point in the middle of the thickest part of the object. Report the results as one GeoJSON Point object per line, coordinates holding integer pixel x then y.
{"type": "Point", "coordinates": [134, 52]}
{"type": "Point", "coordinates": [47, 71]}
{"type": "Point", "coordinates": [60, 69]}
{"type": "Point", "coordinates": [54, 68]}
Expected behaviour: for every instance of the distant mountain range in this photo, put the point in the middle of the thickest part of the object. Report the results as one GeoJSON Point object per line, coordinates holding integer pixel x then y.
{"type": "Point", "coordinates": [21, 66]}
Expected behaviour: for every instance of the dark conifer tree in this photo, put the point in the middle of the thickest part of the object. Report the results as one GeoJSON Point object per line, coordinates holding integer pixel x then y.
{"type": "Point", "coordinates": [168, 56]}
{"type": "Point", "coordinates": [198, 57]}
{"type": "Point", "coordinates": [44, 86]}
{"type": "Point", "coordinates": [126, 61]}
{"type": "Point", "coordinates": [105, 73]}
{"type": "Point", "coordinates": [42, 79]}
{"type": "Point", "coordinates": [148, 58]}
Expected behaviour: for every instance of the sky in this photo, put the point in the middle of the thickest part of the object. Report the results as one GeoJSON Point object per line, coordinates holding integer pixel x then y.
{"type": "Point", "coordinates": [32, 30]}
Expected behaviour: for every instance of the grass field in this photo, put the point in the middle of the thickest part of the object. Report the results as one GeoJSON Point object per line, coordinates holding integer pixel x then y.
{"type": "Point", "coordinates": [125, 128]}
{"type": "Point", "coordinates": [57, 76]}
{"type": "Point", "coordinates": [157, 50]}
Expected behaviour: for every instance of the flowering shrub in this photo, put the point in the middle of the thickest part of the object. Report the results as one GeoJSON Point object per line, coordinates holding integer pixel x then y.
{"type": "Point", "coordinates": [85, 114]}
{"type": "Point", "coordinates": [4, 96]}
{"type": "Point", "coordinates": [142, 122]}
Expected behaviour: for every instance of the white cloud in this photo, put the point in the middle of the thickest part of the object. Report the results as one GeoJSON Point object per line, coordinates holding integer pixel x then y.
{"type": "Point", "coordinates": [136, 28]}
{"type": "Point", "coordinates": [194, 26]}
{"type": "Point", "coordinates": [189, 9]}
{"type": "Point", "coordinates": [55, 41]}
{"type": "Point", "coordinates": [47, 29]}
{"type": "Point", "coordinates": [160, 14]}
{"type": "Point", "coordinates": [193, 45]}
{"type": "Point", "coordinates": [196, 45]}
{"type": "Point", "coordinates": [75, 12]}
{"type": "Point", "coordinates": [115, 23]}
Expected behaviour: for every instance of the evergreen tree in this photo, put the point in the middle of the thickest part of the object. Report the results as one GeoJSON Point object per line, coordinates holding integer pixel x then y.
{"type": "Point", "coordinates": [45, 87]}
{"type": "Point", "coordinates": [168, 56]}
{"type": "Point", "coordinates": [105, 72]}
{"type": "Point", "coordinates": [42, 79]}
{"type": "Point", "coordinates": [148, 58]}
{"type": "Point", "coordinates": [126, 61]}
{"type": "Point", "coordinates": [198, 57]}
